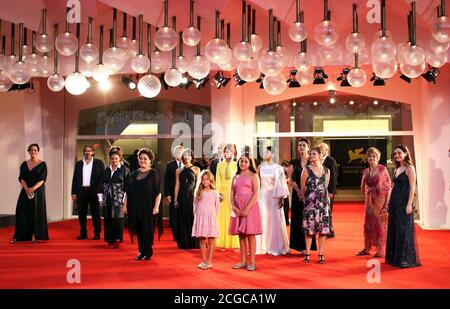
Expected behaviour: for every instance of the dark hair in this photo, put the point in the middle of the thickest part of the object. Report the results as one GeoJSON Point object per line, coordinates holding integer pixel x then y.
{"type": "Point", "coordinates": [148, 152]}
{"type": "Point", "coordinates": [116, 150]}
{"type": "Point", "coordinates": [285, 163]}
{"type": "Point", "coordinates": [252, 167]}
{"type": "Point", "coordinates": [315, 148]}
{"type": "Point", "coordinates": [304, 139]}
{"type": "Point", "coordinates": [190, 152]}
{"type": "Point", "coordinates": [88, 146]}
{"type": "Point", "coordinates": [404, 148]}
{"type": "Point", "coordinates": [33, 145]}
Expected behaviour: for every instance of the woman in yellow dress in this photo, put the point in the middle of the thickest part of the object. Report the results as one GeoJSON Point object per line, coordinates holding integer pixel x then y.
{"type": "Point", "coordinates": [224, 176]}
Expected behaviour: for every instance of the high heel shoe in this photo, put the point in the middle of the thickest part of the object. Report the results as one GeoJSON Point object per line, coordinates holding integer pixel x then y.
{"type": "Point", "coordinates": [13, 241]}
{"type": "Point", "coordinates": [306, 259]}
{"type": "Point", "coordinates": [321, 259]}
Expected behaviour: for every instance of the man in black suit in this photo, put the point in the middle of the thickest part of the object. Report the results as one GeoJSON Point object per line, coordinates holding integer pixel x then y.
{"type": "Point", "coordinates": [85, 187]}
{"type": "Point", "coordinates": [169, 185]}
{"type": "Point", "coordinates": [217, 159]}
{"type": "Point", "coordinates": [330, 163]}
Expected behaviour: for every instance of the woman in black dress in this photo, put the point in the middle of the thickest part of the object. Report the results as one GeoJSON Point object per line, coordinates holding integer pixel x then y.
{"type": "Point", "coordinates": [143, 199]}
{"type": "Point", "coordinates": [186, 179]}
{"type": "Point", "coordinates": [401, 247]}
{"type": "Point", "coordinates": [297, 235]}
{"type": "Point", "coordinates": [115, 181]}
{"type": "Point", "coordinates": [31, 213]}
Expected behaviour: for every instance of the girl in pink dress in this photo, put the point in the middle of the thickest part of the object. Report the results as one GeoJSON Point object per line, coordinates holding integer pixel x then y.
{"type": "Point", "coordinates": [206, 206]}
{"type": "Point", "coordinates": [246, 214]}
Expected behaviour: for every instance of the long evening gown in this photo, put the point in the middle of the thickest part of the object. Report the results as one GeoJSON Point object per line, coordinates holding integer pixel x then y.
{"type": "Point", "coordinates": [401, 248]}
{"type": "Point", "coordinates": [375, 188]}
{"type": "Point", "coordinates": [297, 235]}
{"type": "Point", "coordinates": [224, 177]}
{"type": "Point", "coordinates": [185, 217]}
{"type": "Point", "coordinates": [274, 239]}
{"type": "Point", "coordinates": [31, 214]}
{"type": "Point", "coordinates": [142, 191]}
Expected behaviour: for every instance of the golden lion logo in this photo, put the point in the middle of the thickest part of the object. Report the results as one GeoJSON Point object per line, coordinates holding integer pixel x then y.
{"type": "Point", "coordinates": [356, 154]}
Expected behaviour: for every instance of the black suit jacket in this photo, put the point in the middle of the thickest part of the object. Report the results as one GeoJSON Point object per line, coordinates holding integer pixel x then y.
{"type": "Point", "coordinates": [213, 166]}
{"type": "Point", "coordinates": [331, 164]}
{"type": "Point", "coordinates": [170, 178]}
{"type": "Point", "coordinates": [96, 176]}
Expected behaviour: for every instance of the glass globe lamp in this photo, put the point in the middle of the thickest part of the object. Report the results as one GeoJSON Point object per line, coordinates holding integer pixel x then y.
{"type": "Point", "coordinates": [230, 65]}
{"type": "Point", "coordinates": [302, 61]}
{"type": "Point", "coordinates": [149, 86]}
{"type": "Point", "coordinates": [436, 46]}
{"type": "Point", "coordinates": [100, 73]}
{"type": "Point", "coordinates": [385, 70]}
{"type": "Point", "coordinates": [140, 64]}
{"type": "Point", "coordinates": [199, 67]}
{"type": "Point", "coordinates": [44, 43]}
{"type": "Point", "coordinates": [441, 30]}
{"type": "Point", "coordinates": [217, 51]}
{"type": "Point", "coordinates": [76, 83]}
{"type": "Point", "coordinates": [173, 77]}
{"type": "Point", "coordinates": [357, 77]}
{"type": "Point", "coordinates": [415, 55]}
{"type": "Point", "coordinates": [46, 66]}
{"type": "Point", "coordinates": [182, 64]}
{"type": "Point", "coordinates": [297, 31]}
{"type": "Point", "coordinates": [166, 39]}
{"type": "Point", "coordinates": [285, 55]}
{"type": "Point", "coordinates": [5, 82]}
{"type": "Point", "coordinates": [55, 82]}
{"type": "Point", "coordinates": [66, 44]}
{"type": "Point", "coordinates": [412, 71]}
{"type": "Point", "coordinates": [19, 73]}
{"type": "Point", "coordinates": [89, 52]}
{"type": "Point", "coordinates": [242, 51]}
{"type": "Point", "coordinates": [383, 49]}
{"type": "Point", "coordinates": [34, 64]}
{"type": "Point", "coordinates": [114, 59]}
{"type": "Point", "coordinates": [355, 42]}
{"type": "Point", "coordinates": [326, 33]}
{"type": "Point", "coordinates": [271, 63]}
{"type": "Point", "coordinates": [274, 85]}
{"type": "Point", "coordinates": [87, 69]}
{"type": "Point", "coordinates": [249, 70]}
{"type": "Point", "coordinates": [191, 36]}
{"type": "Point", "coordinates": [256, 42]}
{"type": "Point", "coordinates": [305, 77]}
{"type": "Point", "coordinates": [160, 62]}
{"type": "Point", "coordinates": [436, 60]}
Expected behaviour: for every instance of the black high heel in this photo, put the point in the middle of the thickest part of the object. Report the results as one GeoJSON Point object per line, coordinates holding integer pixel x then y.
{"type": "Point", "coordinates": [321, 259]}
{"type": "Point", "coordinates": [306, 259]}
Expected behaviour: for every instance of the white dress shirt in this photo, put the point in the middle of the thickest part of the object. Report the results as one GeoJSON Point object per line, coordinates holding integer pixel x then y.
{"type": "Point", "coordinates": [87, 172]}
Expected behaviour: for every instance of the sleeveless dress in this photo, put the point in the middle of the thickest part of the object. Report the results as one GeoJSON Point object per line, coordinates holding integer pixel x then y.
{"type": "Point", "coordinates": [401, 247]}
{"type": "Point", "coordinates": [205, 215]}
{"type": "Point", "coordinates": [250, 225]}
{"type": "Point", "coordinates": [185, 218]}
{"type": "Point", "coordinates": [316, 215]}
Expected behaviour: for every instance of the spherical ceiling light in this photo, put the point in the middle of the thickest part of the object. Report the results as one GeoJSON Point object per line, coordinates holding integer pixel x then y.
{"type": "Point", "coordinates": [436, 60]}
{"type": "Point", "coordinates": [55, 82]}
{"type": "Point", "coordinates": [44, 43]}
{"type": "Point", "coordinates": [76, 83]}
{"type": "Point", "coordinates": [217, 51]}
{"type": "Point", "coordinates": [412, 71]}
{"type": "Point", "coordinates": [441, 30]}
{"type": "Point", "coordinates": [173, 77]}
{"type": "Point", "coordinates": [114, 59]}
{"type": "Point", "coordinates": [132, 48]}
{"type": "Point", "coordinates": [274, 85]}
{"type": "Point", "coordinates": [140, 64]}
{"type": "Point", "coordinates": [19, 73]}
{"type": "Point", "coordinates": [326, 33]}
{"type": "Point", "coordinates": [242, 51]}
{"type": "Point", "coordinates": [34, 63]}
{"type": "Point", "coordinates": [357, 77]}
{"type": "Point", "coordinates": [402, 50]}
{"type": "Point", "coordinates": [166, 39]}
{"type": "Point", "coordinates": [101, 73]}
{"type": "Point", "coordinates": [256, 42]}
{"type": "Point", "coordinates": [285, 55]}
{"type": "Point", "coordinates": [302, 61]}
{"type": "Point", "coordinates": [385, 70]}
{"type": "Point", "coordinates": [182, 64]}
{"type": "Point", "coordinates": [298, 31]}
{"type": "Point", "coordinates": [66, 44]}
{"type": "Point", "coordinates": [436, 46]}
{"type": "Point", "coordinates": [87, 69]}
{"type": "Point", "coordinates": [415, 55]}
{"type": "Point", "coordinates": [383, 49]}
{"type": "Point", "coordinates": [5, 81]}
{"type": "Point", "coordinates": [149, 86]}
{"type": "Point", "coordinates": [355, 42]}
{"type": "Point", "coordinates": [248, 70]}
{"type": "Point", "coordinates": [271, 63]}
{"type": "Point", "coordinates": [46, 66]}
{"type": "Point", "coordinates": [191, 36]}
{"type": "Point", "coordinates": [305, 77]}
{"type": "Point", "coordinates": [199, 67]}
{"type": "Point", "coordinates": [230, 65]}
{"type": "Point", "coordinates": [160, 62]}
{"type": "Point", "coordinates": [89, 52]}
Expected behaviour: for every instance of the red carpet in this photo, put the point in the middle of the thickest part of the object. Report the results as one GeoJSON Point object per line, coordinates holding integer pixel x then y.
{"type": "Point", "coordinates": [44, 265]}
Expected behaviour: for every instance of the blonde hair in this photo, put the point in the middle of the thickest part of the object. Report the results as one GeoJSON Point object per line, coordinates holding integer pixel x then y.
{"type": "Point", "coordinates": [199, 188]}
{"type": "Point", "coordinates": [375, 151]}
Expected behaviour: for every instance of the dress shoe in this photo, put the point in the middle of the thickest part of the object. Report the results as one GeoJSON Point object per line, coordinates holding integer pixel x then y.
{"type": "Point", "coordinates": [96, 237]}
{"type": "Point", "coordinates": [81, 237]}
{"type": "Point", "coordinates": [145, 258]}
{"type": "Point", "coordinates": [139, 257]}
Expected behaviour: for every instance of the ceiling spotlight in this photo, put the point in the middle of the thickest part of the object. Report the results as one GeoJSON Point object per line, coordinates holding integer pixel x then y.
{"type": "Point", "coordinates": [260, 81]}
{"type": "Point", "coordinates": [239, 81]}
{"type": "Point", "coordinates": [351, 102]}
{"type": "Point", "coordinates": [431, 75]}
{"type": "Point", "coordinates": [186, 82]}
{"type": "Point", "coordinates": [332, 100]}
{"type": "Point", "coordinates": [220, 80]}
{"type": "Point", "coordinates": [200, 83]}
{"type": "Point", "coordinates": [405, 78]}
{"type": "Point", "coordinates": [292, 81]}
{"type": "Point", "coordinates": [375, 102]}
{"type": "Point", "coordinates": [163, 82]}
{"type": "Point", "coordinates": [315, 103]}
{"type": "Point", "coordinates": [343, 78]}
{"type": "Point", "coordinates": [377, 81]}
{"type": "Point", "coordinates": [128, 82]}
{"type": "Point", "coordinates": [294, 103]}
{"type": "Point", "coordinates": [319, 76]}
